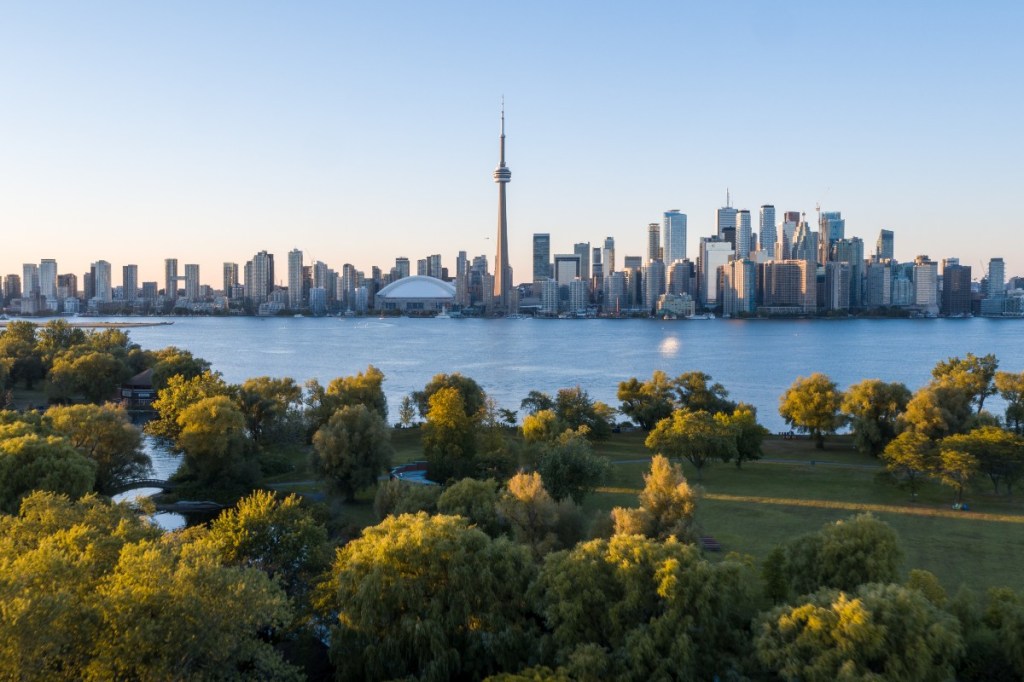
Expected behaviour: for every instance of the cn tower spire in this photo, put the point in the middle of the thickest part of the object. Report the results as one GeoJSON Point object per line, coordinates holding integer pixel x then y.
{"type": "Point", "coordinates": [502, 270]}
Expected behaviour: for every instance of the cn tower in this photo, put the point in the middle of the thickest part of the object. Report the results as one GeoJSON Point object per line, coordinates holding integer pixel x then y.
{"type": "Point", "coordinates": [502, 270]}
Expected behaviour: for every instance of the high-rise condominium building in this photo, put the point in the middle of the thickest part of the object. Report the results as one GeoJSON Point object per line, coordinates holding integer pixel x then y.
{"type": "Point", "coordinates": [609, 256]}
{"type": "Point", "coordinates": [541, 256]}
{"type": "Point", "coordinates": [996, 279]}
{"type": "Point", "coordinates": [673, 229]}
{"type": "Point", "coordinates": [956, 288]}
{"type": "Point", "coordinates": [171, 278]}
{"type": "Point", "coordinates": [789, 284]}
{"type": "Point", "coordinates": [402, 268]}
{"type": "Point", "coordinates": [714, 253]}
{"type": "Point", "coordinates": [259, 277]}
{"type": "Point", "coordinates": [582, 249]}
{"type": "Point", "coordinates": [567, 268]}
{"type": "Point", "coordinates": [102, 284]}
{"type": "Point", "coordinates": [48, 279]}
{"type": "Point", "coordinates": [192, 282]}
{"type": "Point", "coordinates": [766, 230]}
{"type": "Point", "coordinates": [884, 245]}
{"type": "Point", "coordinates": [742, 233]}
{"type": "Point", "coordinates": [739, 287]}
{"type": "Point", "coordinates": [653, 241]}
{"type": "Point", "coordinates": [29, 280]}
{"type": "Point", "coordinates": [831, 228]}
{"type": "Point", "coordinates": [926, 283]}
{"type": "Point", "coordinates": [130, 282]}
{"type": "Point", "coordinates": [230, 278]}
{"type": "Point", "coordinates": [295, 279]}
{"type": "Point", "coordinates": [653, 282]}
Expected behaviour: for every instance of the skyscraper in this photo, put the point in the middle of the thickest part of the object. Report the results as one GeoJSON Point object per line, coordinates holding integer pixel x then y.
{"type": "Point", "coordinates": [609, 256]}
{"type": "Point", "coordinates": [674, 236]}
{"type": "Point", "coordinates": [171, 278]}
{"type": "Point", "coordinates": [192, 282]}
{"type": "Point", "coordinates": [725, 217]}
{"type": "Point", "coordinates": [582, 249]}
{"type": "Point", "coordinates": [130, 282]}
{"type": "Point", "coordinates": [104, 290]}
{"type": "Point", "coordinates": [230, 278]}
{"type": "Point", "coordinates": [502, 270]}
{"type": "Point", "coordinates": [742, 234]}
{"type": "Point", "coordinates": [766, 230]}
{"type": "Point", "coordinates": [653, 241]}
{"type": "Point", "coordinates": [831, 228]}
{"type": "Point", "coordinates": [956, 288]}
{"type": "Point", "coordinates": [295, 279]}
{"type": "Point", "coordinates": [48, 281]}
{"type": "Point", "coordinates": [884, 245]}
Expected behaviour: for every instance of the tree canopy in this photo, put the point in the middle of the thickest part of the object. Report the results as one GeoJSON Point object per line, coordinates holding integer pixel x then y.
{"type": "Point", "coordinates": [811, 404]}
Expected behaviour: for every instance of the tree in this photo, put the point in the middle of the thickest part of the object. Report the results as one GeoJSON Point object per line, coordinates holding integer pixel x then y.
{"type": "Point", "coordinates": [542, 426]}
{"type": "Point", "coordinates": [973, 374]}
{"type": "Point", "coordinates": [955, 469]}
{"type": "Point", "coordinates": [531, 512]}
{"type": "Point", "coordinates": [694, 391]}
{"type": "Point", "coordinates": [536, 401]}
{"type": "Point", "coordinates": [31, 461]}
{"type": "Point", "coordinates": [937, 410]}
{"type": "Point", "coordinates": [641, 609]}
{"type": "Point", "coordinates": [878, 632]}
{"type": "Point", "coordinates": [570, 468]}
{"type": "Point", "coordinates": [266, 403]}
{"type": "Point", "coordinates": [93, 374]}
{"type": "Point", "coordinates": [999, 453]}
{"type": "Point", "coordinates": [407, 412]}
{"type": "Point", "coordinates": [449, 439]}
{"type": "Point", "coordinates": [694, 436]}
{"type": "Point", "coordinates": [811, 404]}
{"type": "Point", "coordinates": [180, 394]}
{"type": "Point", "coordinates": [18, 345]}
{"type": "Point", "coordinates": [872, 408]}
{"type": "Point", "coordinates": [57, 336]}
{"type": "Point", "coordinates": [352, 450]}
{"type": "Point", "coordinates": [473, 397]}
{"type": "Point", "coordinates": [910, 458]}
{"type": "Point", "coordinates": [843, 555]}
{"type": "Point", "coordinates": [574, 408]}
{"type": "Point", "coordinates": [667, 505]}
{"type": "Point", "coordinates": [105, 435]}
{"type": "Point", "coordinates": [212, 436]}
{"type": "Point", "coordinates": [365, 388]}
{"type": "Point", "coordinates": [474, 500]}
{"type": "Point", "coordinates": [395, 497]}
{"type": "Point", "coordinates": [1011, 389]}
{"type": "Point", "coordinates": [647, 402]}
{"type": "Point", "coordinates": [429, 597]}
{"type": "Point", "coordinates": [749, 434]}
{"type": "Point", "coordinates": [176, 362]}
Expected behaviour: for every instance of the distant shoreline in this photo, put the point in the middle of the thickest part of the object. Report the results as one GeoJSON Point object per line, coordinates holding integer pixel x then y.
{"type": "Point", "coordinates": [95, 325]}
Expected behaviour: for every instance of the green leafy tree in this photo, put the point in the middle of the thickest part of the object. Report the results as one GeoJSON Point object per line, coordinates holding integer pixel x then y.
{"type": "Point", "coordinates": [212, 436]}
{"type": "Point", "coordinates": [911, 458]}
{"type": "Point", "coordinates": [18, 347]}
{"type": "Point", "coordinates": [474, 500]}
{"type": "Point", "coordinates": [843, 555]}
{"type": "Point", "coordinates": [531, 513]}
{"type": "Point", "coordinates": [40, 462]}
{"type": "Point", "coordinates": [570, 468]}
{"type": "Point", "coordinates": [542, 426]}
{"type": "Point", "coordinates": [749, 434]}
{"type": "Point", "coordinates": [95, 375]}
{"type": "Point", "coordinates": [352, 450]}
{"type": "Point", "coordinates": [110, 341]}
{"type": "Point", "coordinates": [407, 412]}
{"type": "Point", "coordinates": [872, 408]}
{"type": "Point", "coordinates": [955, 469]}
{"type": "Point", "coordinates": [975, 375]}
{"type": "Point", "coordinates": [646, 402]}
{"type": "Point", "coordinates": [365, 388]}
{"type": "Point", "coordinates": [811, 404]}
{"type": "Point", "coordinates": [473, 397]}
{"type": "Point", "coordinates": [395, 497]}
{"type": "Point", "coordinates": [176, 362]}
{"type": "Point", "coordinates": [940, 409]}
{"type": "Point", "coordinates": [999, 453]}
{"type": "Point", "coordinates": [697, 437]}
{"type": "Point", "coordinates": [1011, 389]}
{"type": "Point", "coordinates": [695, 392]}
{"type": "Point", "coordinates": [449, 437]}
{"type": "Point", "coordinates": [429, 598]}
{"type": "Point", "coordinates": [56, 337]}
{"type": "Point", "coordinates": [180, 394]}
{"type": "Point", "coordinates": [575, 409]}
{"type": "Point", "coordinates": [878, 632]}
{"type": "Point", "coordinates": [667, 505]}
{"type": "Point", "coordinates": [536, 401]}
{"type": "Point", "coordinates": [639, 609]}
{"type": "Point", "coordinates": [267, 403]}
{"type": "Point", "coordinates": [106, 435]}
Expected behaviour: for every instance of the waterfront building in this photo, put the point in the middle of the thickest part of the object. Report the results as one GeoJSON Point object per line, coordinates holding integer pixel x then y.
{"type": "Point", "coordinates": [714, 253]}
{"type": "Point", "coordinates": [462, 280]}
{"type": "Point", "coordinates": [609, 255]}
{"type": "Point", "coordinates": [743, 234]}
{"type": "Point", "coordinates": [579, 296]}
{"type": "Point", "coordinates": [295, 279]}
{"type": "Point", "coordinates": [994, 302]}
{"type": "Point", "coordinates": [788, 286]}
{"type": "Point", "coordinates": [104, 289]}
{"type": "Point", "coordinates": [926, 285]}
{"type": "Point", "coordinates": [30, 280]}
{"type": "Point", "coordinates": [902, 294]}
{"type": "Point", "coordinates": [150, 291]}
{"type": "Point", "coordinates": [739, 287]}
{"type": "Point", "coordinates": [502, 270]}
{"type": "Point", "coordinates": [784, 246]}
{"type": "Point", "coordinates": [567, 268]}
{"type": "Point", "coordinates": [259, 278]}
{"type": "Point", "coordinates": [48, 283]}
{"type": "Point", "coordinates": [596, 270]}
{"type": "Point", "coordinates": [171, 278]}
{"type": "Point", "coordinates": [805, 243]}
{"type": "Point", "coordinates": [835, 292]}
{"type": "Point", "coordinates": [615, 291]}
{"type": "Point", "coordinates": [682, 278]}
{"type": "Point", "coordinates": [67, 286]}
{"type": "Point", "coordinates": [831, 228]}
{"type": "Point", "coordinates": [12, 287]}
{"type": "Point", "coordinates": [192, 289]}
{"type": "Point", "coordinates": [956, 288]}
{"type": "Point", "coordinates": [878, 283]}
{"type": "Point", "coordinates": [679, 305]}
{"type": "Point", "coordinates": [654, 283]}
{"type": "Point", "coordinates": [851, 251]}
{"type": "Point", "coordinates": [130, 282]}
{"type": "Point", "coordinates": [884, 247]}
{"type": "Point", "coordinates": [582, 250]}
{"type": "Point", "coordinates": [767, 231]}
{"type": "Point", "coordinates": [674, 236]}
{"type": "Point", "coordinates": [402, 267]}
{"type": "Point", "coordinates": [230, 278]}
{"type": "Point", "coordinates": [541, 257]}
{"type": "Point", "coordinates": [725, 219]}
{"type": "Point", "coordinates": [653, 241]}
{"type": "Point", "coordinates": [548, 297]}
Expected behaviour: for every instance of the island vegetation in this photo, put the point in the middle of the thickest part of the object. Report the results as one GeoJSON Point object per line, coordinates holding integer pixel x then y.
{"type": "Point", "coordinates": [581, 541]}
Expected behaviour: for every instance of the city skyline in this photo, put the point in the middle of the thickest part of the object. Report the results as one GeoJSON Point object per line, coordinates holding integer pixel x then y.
{"type": "Point", "coordinates": [294, 129]}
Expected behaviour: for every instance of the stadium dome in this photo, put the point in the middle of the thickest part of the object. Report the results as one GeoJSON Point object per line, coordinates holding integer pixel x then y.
{"type": "Point", "coordinates": [415, 294]}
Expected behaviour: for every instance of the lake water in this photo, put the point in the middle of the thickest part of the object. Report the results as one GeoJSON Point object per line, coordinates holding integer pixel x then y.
{"type": "Point", "coordinates": [164, 463]}
{"type": "Point", "coordinates": [756, 360]}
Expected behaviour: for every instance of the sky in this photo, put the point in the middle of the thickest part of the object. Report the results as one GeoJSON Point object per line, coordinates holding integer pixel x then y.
{"type": "Point", "coordinates": [362, 131]}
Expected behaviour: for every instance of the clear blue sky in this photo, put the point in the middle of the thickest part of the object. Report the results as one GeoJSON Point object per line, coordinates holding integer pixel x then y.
{"type": "Point", "coordinates": [358, 132]}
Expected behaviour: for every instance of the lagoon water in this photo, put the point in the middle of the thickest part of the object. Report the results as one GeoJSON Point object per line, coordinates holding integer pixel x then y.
{"type": "Point", "coordinates": [756, 360]}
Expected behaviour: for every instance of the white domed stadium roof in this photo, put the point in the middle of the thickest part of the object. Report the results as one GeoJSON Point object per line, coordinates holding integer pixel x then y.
{"type": "Point", "coordinates": [418, 287]}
